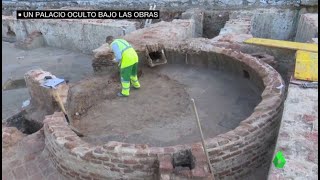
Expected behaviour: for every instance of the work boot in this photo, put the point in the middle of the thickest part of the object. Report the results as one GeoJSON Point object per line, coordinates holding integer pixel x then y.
{"type": "Point", "coordinates": [121, 95]}
{"type": "Point", "coordinates": [136, 87]}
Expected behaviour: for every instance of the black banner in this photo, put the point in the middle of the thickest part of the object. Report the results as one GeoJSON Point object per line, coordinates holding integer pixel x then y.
{"type": "Point", "coordinates": [88, 14]}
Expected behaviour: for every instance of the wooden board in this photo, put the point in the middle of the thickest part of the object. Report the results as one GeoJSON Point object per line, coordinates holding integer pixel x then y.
{"type": "Point", "coordinates": [283, 44]}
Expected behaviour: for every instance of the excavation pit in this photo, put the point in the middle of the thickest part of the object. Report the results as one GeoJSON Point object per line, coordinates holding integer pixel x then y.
{"type": "Point", "coordinates": [160, 113]}
{"type": "Point", "coordinates": [154, 132]}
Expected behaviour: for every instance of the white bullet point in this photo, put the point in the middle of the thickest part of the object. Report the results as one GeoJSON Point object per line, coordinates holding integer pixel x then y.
{"type": "Point", "coordinates": [19, 14]}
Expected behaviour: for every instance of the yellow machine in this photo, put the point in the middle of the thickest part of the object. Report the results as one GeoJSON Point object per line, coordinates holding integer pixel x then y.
{"type": "Point", "coordinates": [306, 67]}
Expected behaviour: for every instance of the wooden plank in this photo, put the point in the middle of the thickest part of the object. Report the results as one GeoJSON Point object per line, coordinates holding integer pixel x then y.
{"type": "Point", "coordinates": [306, 66]}
{"type": "Point", "coordinates": [283, 44]}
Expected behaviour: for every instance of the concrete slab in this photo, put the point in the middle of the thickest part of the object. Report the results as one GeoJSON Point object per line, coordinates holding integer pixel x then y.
{"type": "Point", "coordinates": [298, 139]}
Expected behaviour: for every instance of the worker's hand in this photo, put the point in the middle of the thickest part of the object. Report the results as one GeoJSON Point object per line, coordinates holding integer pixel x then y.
{"type": "Point", "coordinates": [113, 61]}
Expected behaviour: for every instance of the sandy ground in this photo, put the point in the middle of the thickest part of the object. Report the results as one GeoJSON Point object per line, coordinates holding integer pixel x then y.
{"type": "Point", "coordinates": [16, 62]}
{"type": "Point", "coordinates": [160, 113]}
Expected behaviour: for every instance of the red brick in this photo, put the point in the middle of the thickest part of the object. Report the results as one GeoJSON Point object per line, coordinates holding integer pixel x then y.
{"type": "Point", "coordinates": [236, 168]}
{"type": "Point", "coordinates": [85, 177]}
{"type": "Point", "coordinates": [156, 151]}
{"type": "Point", "coordinates": [309, 118]}
{"type": "Point", "coordinates": [95, 161]}
{"type": "Point", "coordinates": [116, 161]}
{"type": "Point", "coordinates": [98, 150]}
{"type": "Point", "coordinates": [222, 142]}
{"type": "Point", "coordinates": [216, 152]}
{"type": "Point", "coordinates": [165, 162]}
{"type": "Point", "coordinates": [312, 136]}
{"type": "Point", "coordinates": [115, 169]}
{"type": "Point", "coordinates": [125, 145]}
{"type": "Point", "coordinates": [199, 172]}
{"type": "Point", "coordinates": [141, 146]}
{"type": "Point", "coordinates": [128, 171]}
{"type": "Point", "coordinates": [71, 138]}
{"type": "Point", "coordinates": [135, 167]}
{"type": "Point", "coordinates": [130, 161]}
{"type": "Point", "coordinates": [231, 155]}
{"type": "Point", "coordinates": [215, 160]}
{"type": "Point", "coordinates": [70, 145]}
{"type": "Point", "coordinates": [185, 173]}
{"type": "Point", "coordinates": [88, 156]}
{"type": "Point", "coordinates": [108, 164]}
{"type": "Point", "coordinates": [123, 166]}
{"type": "Point", "coordinates": [147, 162]}
{"type": "Point", "coordinates": [103, 158]}
{"type": "Point", "coordinates": [224, 173]}
{"type": "Point", "coordinates": [169, 150]}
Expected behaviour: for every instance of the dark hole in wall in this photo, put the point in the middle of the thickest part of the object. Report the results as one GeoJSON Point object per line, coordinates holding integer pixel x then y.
{"type": "Point", "coordinates": [213, 22]}
{"type": "Point", "coordinates": [22, 124]}
{"type": "Point", "coordinates": [14, 84]}
{"type": "Point", "coordinates": [155, 55]}
{"type": "Point", "coordinates": [10, 35]}
{"type": "Point", "coordinates": [10, 32]}
{"type": "Point", "coordinates": [246, 74]}
{"type": "Point", "coordinates": [183, 158]}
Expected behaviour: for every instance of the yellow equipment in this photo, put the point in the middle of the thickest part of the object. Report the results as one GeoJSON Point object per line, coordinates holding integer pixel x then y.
{"type": "Point", "coordinates": [306, 57]}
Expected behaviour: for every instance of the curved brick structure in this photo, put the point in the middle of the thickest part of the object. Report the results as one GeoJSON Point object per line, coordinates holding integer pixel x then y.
{"type": "Point", "coordinates": [232, 154]}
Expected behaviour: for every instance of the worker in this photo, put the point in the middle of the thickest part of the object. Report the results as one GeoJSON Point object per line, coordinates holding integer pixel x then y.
{"type": "Point", "coordinates": [128, 59]}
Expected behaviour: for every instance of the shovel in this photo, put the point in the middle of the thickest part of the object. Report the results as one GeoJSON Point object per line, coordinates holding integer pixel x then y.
{"type": "Point", "coordinates": [65, 113]}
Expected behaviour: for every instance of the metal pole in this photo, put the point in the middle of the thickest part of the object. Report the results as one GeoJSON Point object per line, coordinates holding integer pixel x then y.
{"type": "Point", "coordinates": [202, 139]}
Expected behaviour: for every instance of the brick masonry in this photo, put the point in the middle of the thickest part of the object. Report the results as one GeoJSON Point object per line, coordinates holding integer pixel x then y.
{"type": "Point", "coordinates": [232, 155]}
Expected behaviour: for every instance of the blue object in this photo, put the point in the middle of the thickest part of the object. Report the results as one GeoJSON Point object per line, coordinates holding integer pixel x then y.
{"type": "Point", "coordinates": [117, 52]}
{"type": "Point", "coordinates": [52, 83]}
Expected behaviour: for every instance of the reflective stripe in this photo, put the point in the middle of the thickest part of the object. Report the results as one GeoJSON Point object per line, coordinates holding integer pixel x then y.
{"type": "Point", "coordinates": [125, 45]}
{"type": "Point", "coordinates": [123, 81]}
{"type": "Point", "coordinates": [123, 88]}
{"type": "Point", "coordinates": [134, 80]}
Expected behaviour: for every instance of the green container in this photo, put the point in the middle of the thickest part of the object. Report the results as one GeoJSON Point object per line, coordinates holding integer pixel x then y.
{"type": "Point", "coordinates": [279, 161]}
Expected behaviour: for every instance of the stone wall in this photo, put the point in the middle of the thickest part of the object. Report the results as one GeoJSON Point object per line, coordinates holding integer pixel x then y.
{"type": "Point", "coordinates": [42, 99]}
{"type": "Point", "coordinates": [232, 155]}
{"type": "Point", "coordinates": [10, 5]}
{"type": "Point", "coordinates": [307, 28]}
{"type": "Point", "coordinates": [77, 35]}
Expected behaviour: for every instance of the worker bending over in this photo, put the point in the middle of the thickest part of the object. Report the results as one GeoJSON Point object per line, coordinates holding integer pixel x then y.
{"type": "Point", "coordinates": [128, 59]}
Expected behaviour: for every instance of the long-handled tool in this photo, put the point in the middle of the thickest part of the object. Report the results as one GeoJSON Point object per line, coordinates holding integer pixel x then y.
{"type": "Point", "coordinates": [202, 139]}
{"type": "Point", "coordinates": [65, 113]}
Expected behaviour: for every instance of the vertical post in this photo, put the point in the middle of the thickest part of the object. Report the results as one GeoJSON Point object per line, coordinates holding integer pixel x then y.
{"type": "Point", "coordinates": [202, 139]}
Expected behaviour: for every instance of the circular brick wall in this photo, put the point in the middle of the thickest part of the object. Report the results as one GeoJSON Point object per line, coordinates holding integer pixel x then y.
{"type": "Point", "coordinates": [232, 154]}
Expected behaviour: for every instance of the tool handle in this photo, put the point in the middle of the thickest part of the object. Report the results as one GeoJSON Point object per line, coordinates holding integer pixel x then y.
{"type": "Point", "coordinates": [202, 139]}
{"type": "Point", "coordinates": [59, 101]}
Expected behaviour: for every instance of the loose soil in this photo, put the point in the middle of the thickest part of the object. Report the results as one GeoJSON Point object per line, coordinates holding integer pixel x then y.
{"type": "Point", "coordinates": [160, 113]}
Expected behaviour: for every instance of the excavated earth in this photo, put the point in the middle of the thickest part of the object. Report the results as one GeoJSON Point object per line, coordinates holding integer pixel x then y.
{"type": "Point", "coordinates": [160, 113]}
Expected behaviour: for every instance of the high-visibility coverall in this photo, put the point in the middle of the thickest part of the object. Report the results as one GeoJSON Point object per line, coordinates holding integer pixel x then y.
{"type": "Point", "coordinates": [128, 62]}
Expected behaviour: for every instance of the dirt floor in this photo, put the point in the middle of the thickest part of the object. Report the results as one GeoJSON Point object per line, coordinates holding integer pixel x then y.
{"type": "Point", "coordinates": [16, 62]}
{"type": "Point", "coordinates": [160, 113]}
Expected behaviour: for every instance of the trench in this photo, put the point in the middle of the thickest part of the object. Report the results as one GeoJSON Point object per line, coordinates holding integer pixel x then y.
{"type": "Point", "coordinates": [23, 124]}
